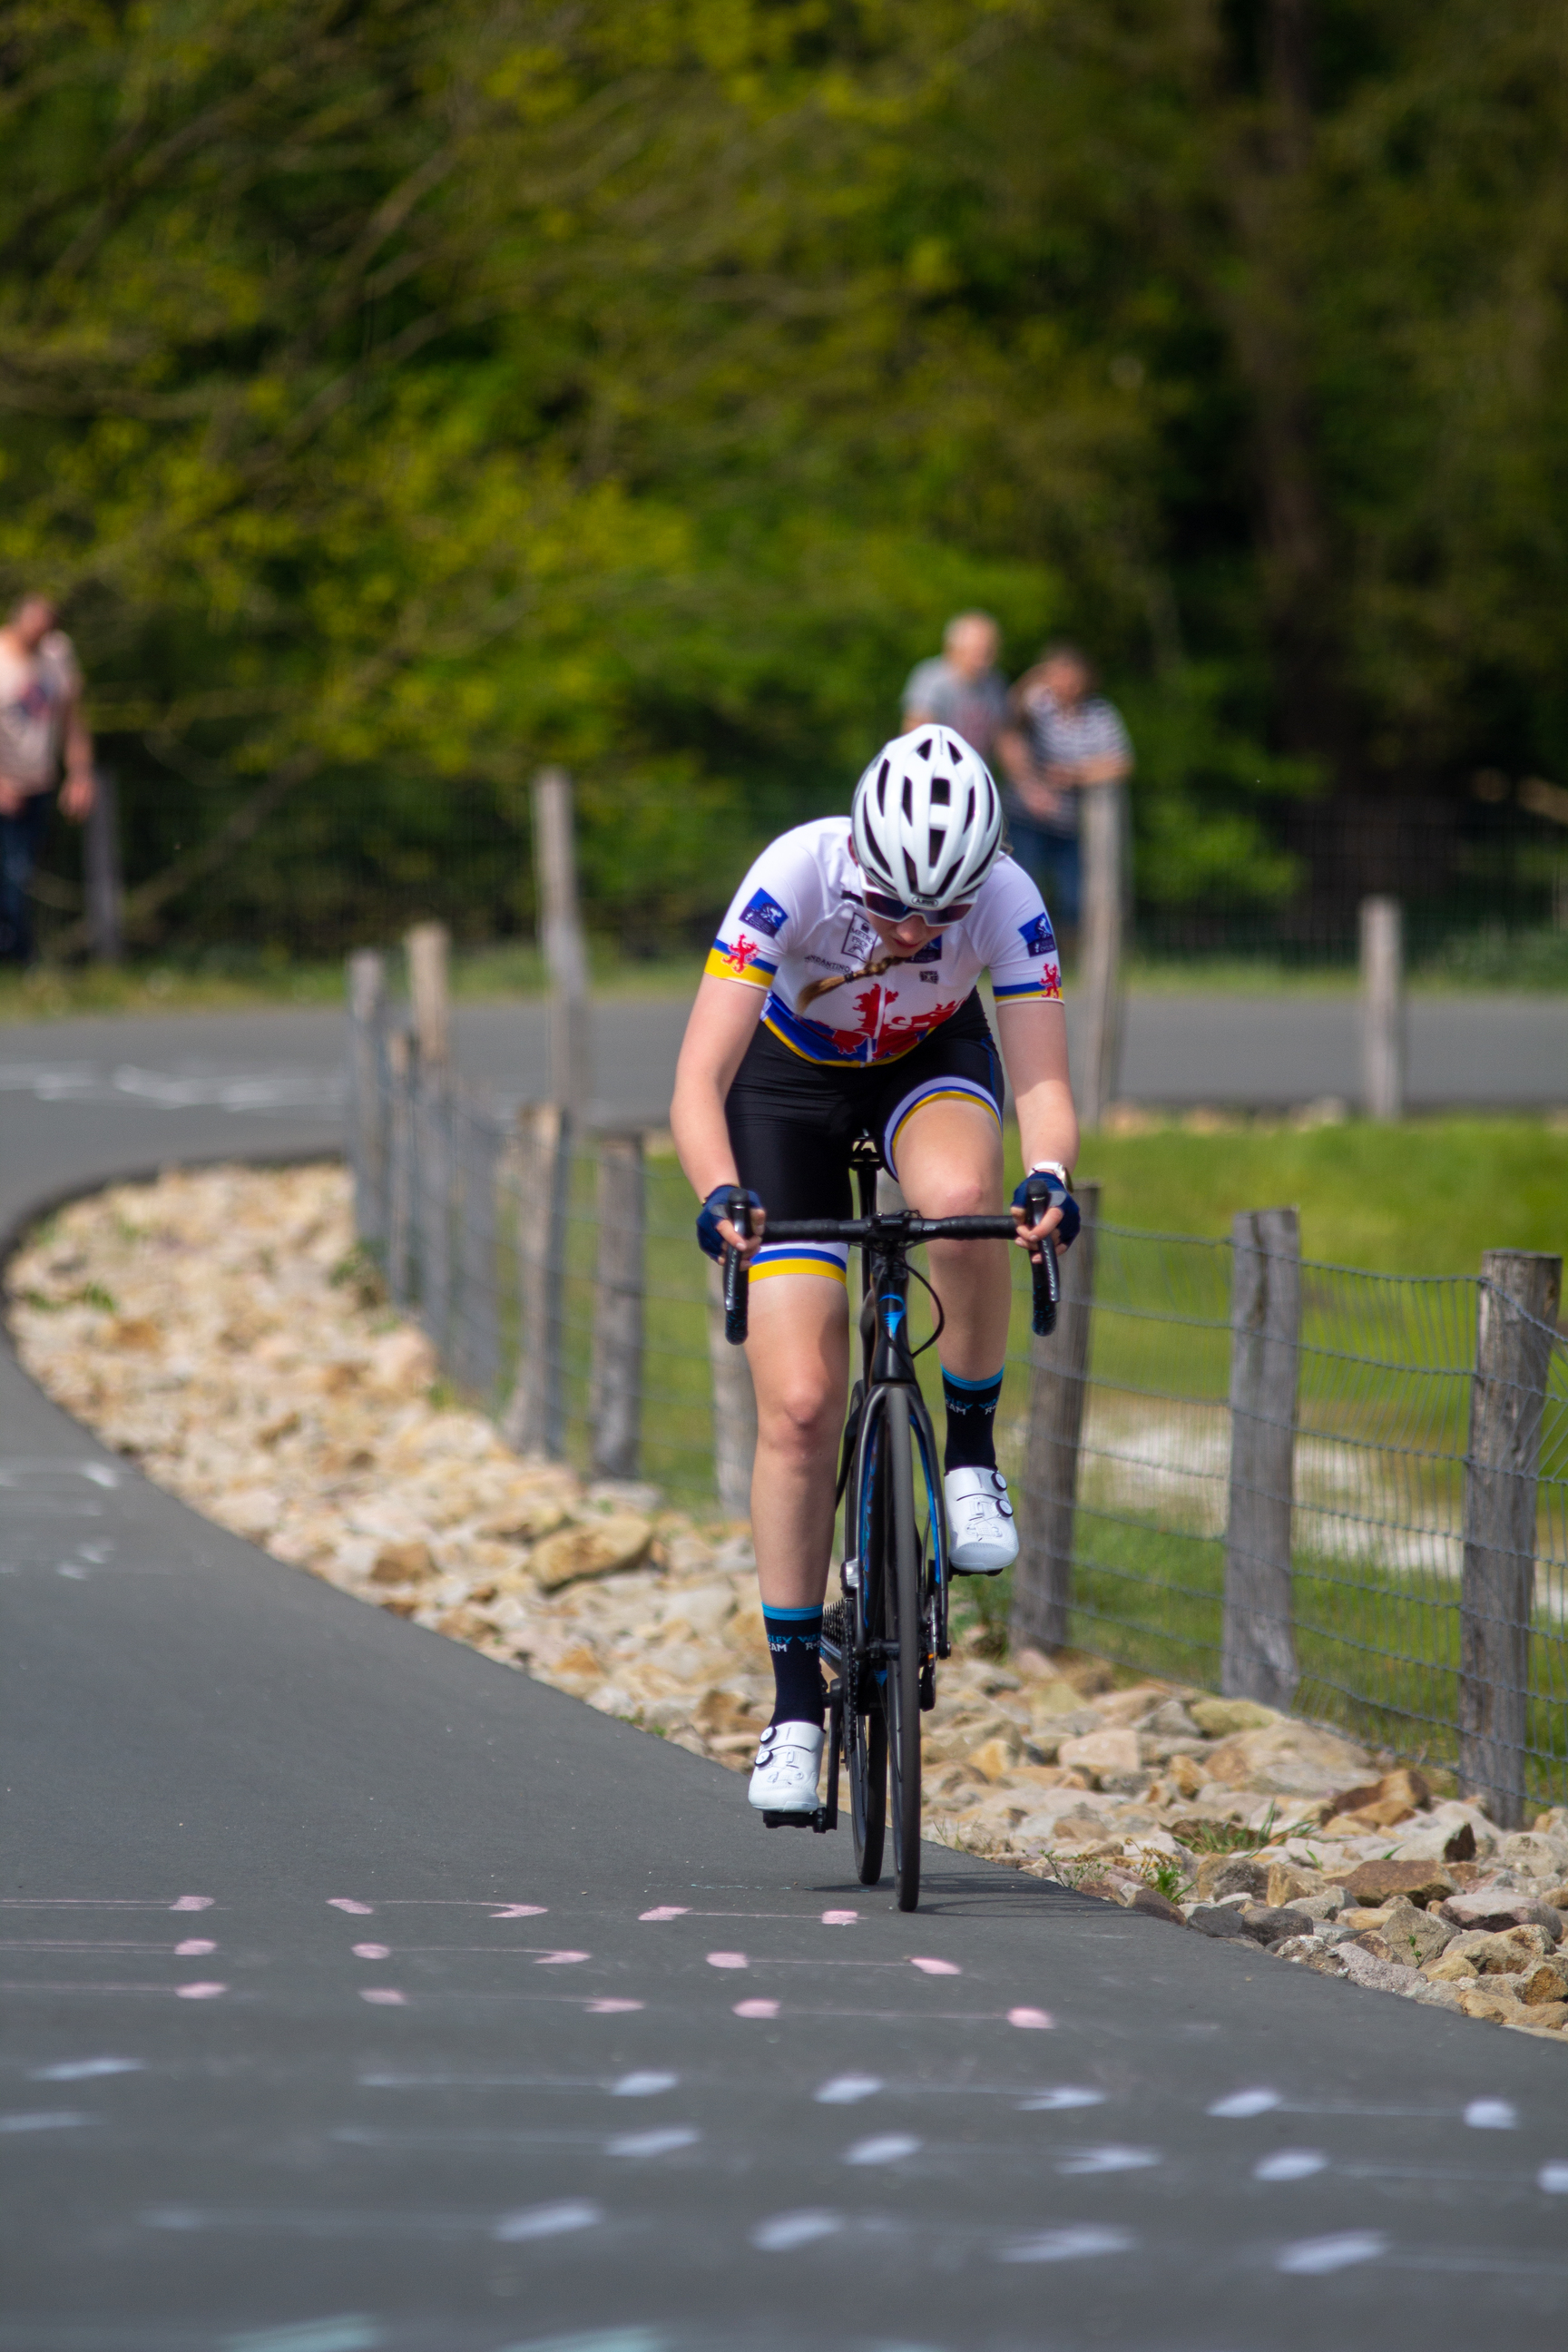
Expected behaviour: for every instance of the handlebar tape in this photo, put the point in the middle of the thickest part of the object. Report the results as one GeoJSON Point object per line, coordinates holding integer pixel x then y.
{"type": "Point", "coordinates": [737, 1282]}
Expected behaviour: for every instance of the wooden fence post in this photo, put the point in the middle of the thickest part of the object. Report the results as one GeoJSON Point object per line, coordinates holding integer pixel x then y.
{"type": "Point", "coordinates": [1103, 821]}
{"type": "Point", "coordinates": [1260, 1654]}
{"type": "Point", "coordinates": [1382, 1008]}
{"type": "Point", "coordinates": [1042, 1583]}
{"type": "Point", "coordinates": [476, 1338]}
{"type": "Point", "coordinates": [561, 936]}
{"type": "Point", "coordinates": [367, 1110]}
{"type": "Point", "coordinates": [535, 1419]}
{"type": "Point", "coordinates": [615, 1408]}
{"type": "Point", "coordinates": [734, 1408]}
{"type": "Point", "coordinates": [103, 884]}
{"type": "Point", "coordinates": [428, 949]}
{"type": "Point", "coordinates": [1516, 1318]}
{"type": "Point", "coordinates": [432, 1205]}
{"type": "Point", "coordinates": [399, 1054]}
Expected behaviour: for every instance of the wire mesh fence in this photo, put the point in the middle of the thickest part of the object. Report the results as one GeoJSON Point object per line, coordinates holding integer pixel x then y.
{"type": "Point", "coordinates": [1342, 1492]}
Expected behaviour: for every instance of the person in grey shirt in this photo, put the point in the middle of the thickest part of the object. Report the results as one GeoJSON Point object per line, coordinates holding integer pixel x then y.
{"type": "Point", "coordinates": [961, 687]}
{"type": "Point", "coordinates": [1063, 740]}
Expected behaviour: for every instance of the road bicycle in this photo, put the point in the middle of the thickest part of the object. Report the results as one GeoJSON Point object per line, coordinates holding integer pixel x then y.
{"type": "Point", "coordinates": [882, 1638]}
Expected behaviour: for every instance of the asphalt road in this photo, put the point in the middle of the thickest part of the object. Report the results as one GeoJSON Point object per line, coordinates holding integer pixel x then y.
{"type": "Point", "coordinates": [361, 1993]}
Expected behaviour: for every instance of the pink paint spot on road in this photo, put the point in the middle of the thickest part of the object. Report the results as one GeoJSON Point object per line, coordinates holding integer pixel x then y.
{"type": "Point", "coordinates": [191, 1947]}
{"type": "Point", "coordinates": [193, 1903]}
{"type": "Point", "coordinates": [384, 1996]}
{"type": "Point", "coordinates": [561, 1960]}
{"type": "Point", "coordinates": [728, 1961]}
{"type": "Point", "coordinates": [347, 1903]}
{"type": "Point", "coordinates": [1039, 2020]}
{"type": "Point", "coordinates": [612, 2008]}
{"type": "Point", "coordinates": [200, 1991]}
{"type": "Point", "coordinates": [372, 1951]}
{"type": "Point", "coordinates": [521, 1911]}
{"type": "Point", "coordinates": [839, 1919]}
{"type": "Point", "coordinates": [936, 1967]}
{"type": "Point", "coordinates": [665, 1911]}
{"type": "Point", "coordinates": [756, 2009]}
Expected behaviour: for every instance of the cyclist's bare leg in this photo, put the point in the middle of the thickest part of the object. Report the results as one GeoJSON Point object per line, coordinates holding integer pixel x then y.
{"type": "Point", "coordinates": [949, 1165]}
{"type": "Point", "coordinates": [799, 1355]}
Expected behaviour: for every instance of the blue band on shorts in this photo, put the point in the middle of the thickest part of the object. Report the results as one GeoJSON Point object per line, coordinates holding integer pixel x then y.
{"type": "Point", "coordinates": [829, 1258]}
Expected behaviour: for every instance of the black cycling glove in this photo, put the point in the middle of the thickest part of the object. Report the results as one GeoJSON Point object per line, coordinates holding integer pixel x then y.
{"type": "Point", "coordinates": [1067, 1232]}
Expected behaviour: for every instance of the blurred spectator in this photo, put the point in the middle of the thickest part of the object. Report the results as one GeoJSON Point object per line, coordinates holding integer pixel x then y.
{"type": "Point", "coordinates": [41, 715]}
{"type": "Point", "coordinates": [961, 687]}
{"type": "Point", "coordinates": [1064, 739]}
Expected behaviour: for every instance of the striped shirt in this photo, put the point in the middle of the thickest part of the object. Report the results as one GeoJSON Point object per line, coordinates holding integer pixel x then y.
{"type": "Point", "coordinates": [1061, 738]}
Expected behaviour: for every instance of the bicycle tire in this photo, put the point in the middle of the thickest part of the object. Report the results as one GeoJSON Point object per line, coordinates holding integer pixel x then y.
{"type": "Point", "coordinates": [905, 1625]}
{"type": "Point", "coordinates": [866, 1767]}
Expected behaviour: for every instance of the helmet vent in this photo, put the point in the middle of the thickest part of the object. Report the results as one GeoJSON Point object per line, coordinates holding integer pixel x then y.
{"type": "Point", "coordinates": [934, 844]}
{"type": "Point", "coordinates": [908, 802]}
{"type": "Point", "coordinates": [925, 750]}
{"type": "Point", "coordinates": [941, 791]}
{"type": "Point", "coordinates": [912, 873]}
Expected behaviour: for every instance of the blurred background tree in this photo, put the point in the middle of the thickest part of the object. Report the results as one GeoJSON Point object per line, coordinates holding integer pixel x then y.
{"type": "Point", "coordinates": [401, 395]}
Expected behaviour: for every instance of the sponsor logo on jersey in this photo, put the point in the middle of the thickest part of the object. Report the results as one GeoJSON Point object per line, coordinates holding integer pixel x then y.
{"type": "Point", "coordinates": [738, 957]}
{"type": "Point", "coordinates": [1051, 981]}
{"type": "Point", "coordinates": [764, 914]}
{"type": "Point", "coordinates": [1037, 936]}
{"type": "Point", "coordinates": [930, 953]}
{"type": "Point", "coordinates": [859, 942]}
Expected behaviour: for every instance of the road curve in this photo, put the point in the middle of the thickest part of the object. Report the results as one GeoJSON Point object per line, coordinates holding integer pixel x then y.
{"type": "Point", "coordinates": [359, 1992]}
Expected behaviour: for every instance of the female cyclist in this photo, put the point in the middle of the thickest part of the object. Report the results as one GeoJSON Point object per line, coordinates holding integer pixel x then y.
{"type": "Point", "coordinates": [839, 998]}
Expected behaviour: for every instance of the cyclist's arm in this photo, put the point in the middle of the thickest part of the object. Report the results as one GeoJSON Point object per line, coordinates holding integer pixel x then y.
{"type": "Point", "coordinates": [1033, 1031]}
{"type": "Point", "coordinates": [723, 1023]}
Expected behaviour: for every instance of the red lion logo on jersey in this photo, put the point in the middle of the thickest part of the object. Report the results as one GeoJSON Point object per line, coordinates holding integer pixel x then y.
{"type": "Point", "coordinates": [742, 953]}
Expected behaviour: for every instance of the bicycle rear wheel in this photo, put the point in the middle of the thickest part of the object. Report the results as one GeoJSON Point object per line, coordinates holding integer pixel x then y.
{"type": "Point", "coordinates": [866, 1763]}
{"type": "Point", "coordinates": [905, 1626]}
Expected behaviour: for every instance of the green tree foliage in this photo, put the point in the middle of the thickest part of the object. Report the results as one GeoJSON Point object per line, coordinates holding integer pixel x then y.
{"type": "Point", "coordinates": [403, 393]}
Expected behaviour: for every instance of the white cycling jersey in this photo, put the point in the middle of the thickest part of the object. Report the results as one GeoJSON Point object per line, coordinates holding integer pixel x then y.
{"type": "Point", "coordinates": [798, 918]}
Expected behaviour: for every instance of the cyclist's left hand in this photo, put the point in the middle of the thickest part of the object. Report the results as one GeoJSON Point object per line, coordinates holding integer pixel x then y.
{"type": "Point", "coordinates": [715, 1234]}
{"type": "Point", "coordinates": [1061, 1218]}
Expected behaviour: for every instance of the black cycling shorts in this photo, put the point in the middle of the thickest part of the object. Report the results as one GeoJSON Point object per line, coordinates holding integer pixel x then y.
{"type": "Point", "coordinates": [792, 1123]}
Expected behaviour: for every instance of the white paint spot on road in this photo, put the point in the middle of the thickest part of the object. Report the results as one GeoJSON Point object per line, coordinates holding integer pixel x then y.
{"type": "Point", "coordinates": [845, 2090]}
{"type": "Point", "coordinates": [561, 1960]}
{"type": "Point", "coordinates": [548, 2221]}
{"type": "Point", "coordinates": [200, 1991]}
{"type": "Point", "coordinates": [193, 1903]}
{"type": "Point", "coordinates": [756, 2009]}
{"type": "Point", "coordinates": [839, 1919]}
{"type": "Point", "coordinates": [728, 1961]}
{"type": "Point", "coordinates": [936, 1967]}
{"type": "Point", "coordinates": [666, 1911]}
{"type": "Point", "coordinates": [1066, 2094]}
{"type": "Point", "coordinates": [353, 2332]}
{"type": "Point", "coordinates": [1068, 2245]}
{"type": "Point", "coordinates": [521, 1911]}
{"type": "Point", "coordinates": [383, 1996]}
{"type": "Point", "coordinates": [55, 2120]}
{"type": "Point", "coordinates": [1553, 2179]}
{"type": "Point", "coordinates": [1290, 2164]}
{"type": "Point", "coordinates": [887, 2148]}
{"type": "Point", "coordinates": [645, 2085]}
{"type": "Point", "coordinates": [1236, 2106]}
{"type": "Point", "coordinates": [1033, 2021]}
{"type": "Point", "coordinates": [83, 2070]}
{"type": "Point", "coordinates": [372, 1951]}
{"type": "Point", "coordinates": [1491, 2114]}
{"type": "Point", "coordinates": [1089, 2161]}
{"type": "Point", "coordinates": [1316, 2257]}
{"type": "Point", "coordinates": [347, 1903]}
{"type": "Point", "coordinates": [654, 2142]}
{"type": "Point", "coordinates": [610, 2007]}
{"type": "Point", "coordinates": [784, 2232]}
{"type": "Point", "coordinates": [194, 1947]}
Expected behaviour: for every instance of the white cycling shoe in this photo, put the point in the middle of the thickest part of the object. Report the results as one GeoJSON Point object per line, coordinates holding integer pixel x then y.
{"type": "Point", "coordinates": [783, 1779]}
{"type": "Point", "coordinates": [982, 1538]}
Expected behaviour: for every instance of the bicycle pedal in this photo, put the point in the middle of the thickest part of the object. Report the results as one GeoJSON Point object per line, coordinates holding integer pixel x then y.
{"type": "Point", "coordinates": [817, 1821]}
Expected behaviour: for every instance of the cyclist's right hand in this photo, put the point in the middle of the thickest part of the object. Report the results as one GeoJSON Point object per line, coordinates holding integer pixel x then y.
{"type": "Point", "coordinates": [716, 1233]}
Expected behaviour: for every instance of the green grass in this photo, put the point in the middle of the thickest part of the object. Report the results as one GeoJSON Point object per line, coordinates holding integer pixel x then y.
{"type": "Point", "coordinates": [1425, 1198]}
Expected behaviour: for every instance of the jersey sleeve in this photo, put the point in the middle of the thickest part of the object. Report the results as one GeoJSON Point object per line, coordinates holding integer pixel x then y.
{"type": "Point", "coordinates": [1017, 941]}
{"type": "Point", "coordinates": [768, 901]}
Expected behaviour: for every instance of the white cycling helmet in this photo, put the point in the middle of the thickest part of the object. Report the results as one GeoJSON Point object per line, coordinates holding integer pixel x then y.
{"type": "Point", "coordinates": [927, 820]}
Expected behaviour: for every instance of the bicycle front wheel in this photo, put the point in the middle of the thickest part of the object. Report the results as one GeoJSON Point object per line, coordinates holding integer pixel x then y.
{"type": "Point", "coordinates": [905, 1624]}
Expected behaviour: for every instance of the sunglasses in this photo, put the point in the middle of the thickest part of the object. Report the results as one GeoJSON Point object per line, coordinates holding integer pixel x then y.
{"type": "Point", "coordinates": [893, 910]}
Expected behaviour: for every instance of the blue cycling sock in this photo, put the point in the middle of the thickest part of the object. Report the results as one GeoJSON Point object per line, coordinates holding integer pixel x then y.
{"type": "Point", "coordinates": [971, 1421]}
{"type": "Point", "coordinates": [795, 1639]}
